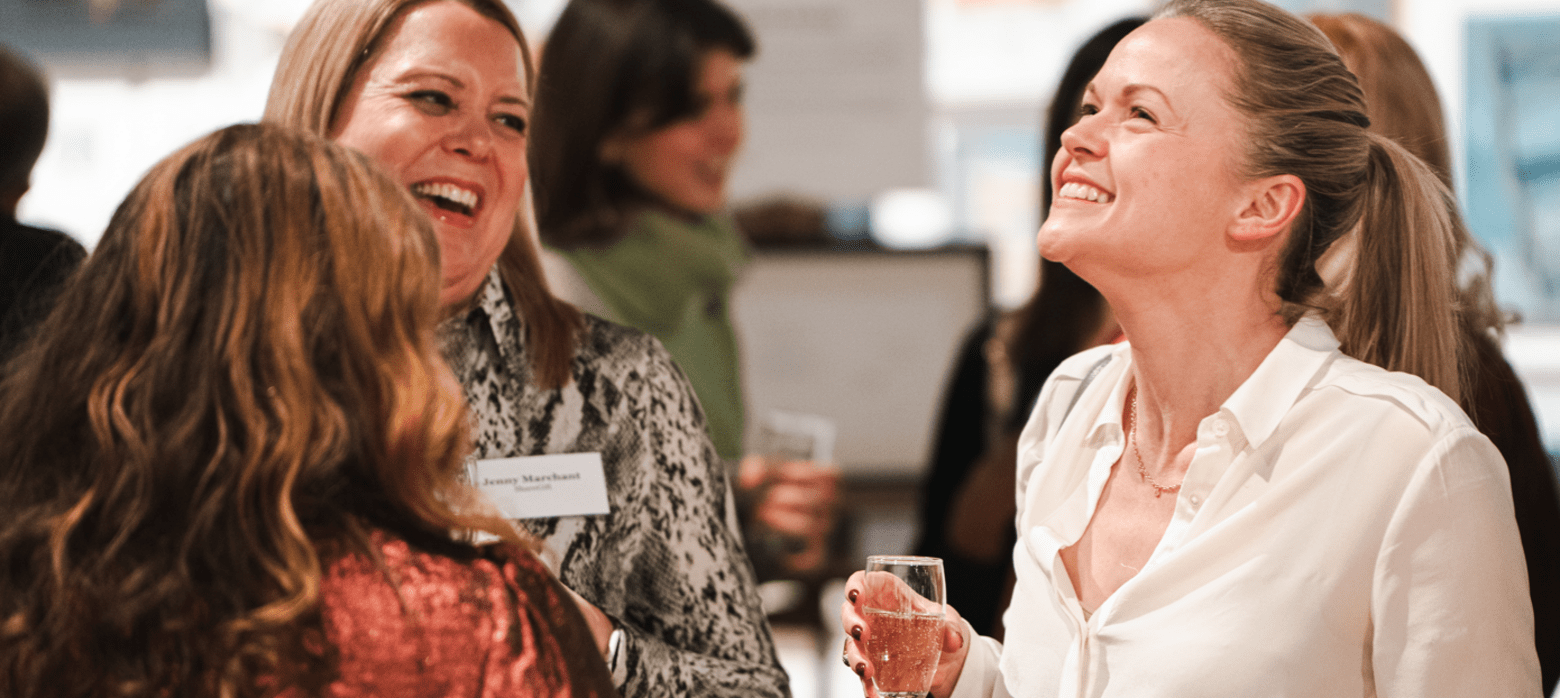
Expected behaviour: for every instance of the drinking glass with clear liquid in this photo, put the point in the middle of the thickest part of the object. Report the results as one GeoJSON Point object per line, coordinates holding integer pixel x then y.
{"type": "Point", "coordinates": [903, 603]}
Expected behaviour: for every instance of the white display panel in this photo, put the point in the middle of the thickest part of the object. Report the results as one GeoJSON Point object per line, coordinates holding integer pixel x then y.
{"type": "Point", "coordinates": [866, 339]}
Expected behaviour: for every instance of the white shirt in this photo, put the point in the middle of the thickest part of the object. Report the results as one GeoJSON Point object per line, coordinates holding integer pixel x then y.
{"type": "Point", "coordinates": [1341, 531]}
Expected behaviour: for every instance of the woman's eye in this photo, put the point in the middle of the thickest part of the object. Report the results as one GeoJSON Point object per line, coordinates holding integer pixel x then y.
{"type": "Point", "coordinates": [1141, 113]}
{"type": "Point", "coordinates": [433, 100]}
{"type": "Point", "coordinates": [515, 122]}
{"type": "Point", "coordinates": [1087, 109]}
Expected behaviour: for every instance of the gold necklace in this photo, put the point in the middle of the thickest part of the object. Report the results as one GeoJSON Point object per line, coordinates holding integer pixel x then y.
{"type": "Point", "coordinates": [1159, 490]}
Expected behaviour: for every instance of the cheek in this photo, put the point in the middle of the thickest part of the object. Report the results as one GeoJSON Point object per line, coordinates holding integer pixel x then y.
{"type": "Point", "coordinates": [388, 143]}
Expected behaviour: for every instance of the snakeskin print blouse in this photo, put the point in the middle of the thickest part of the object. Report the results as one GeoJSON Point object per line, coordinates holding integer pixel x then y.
{"type": "Point", "coordinates": [667, 564]}
{"type": "Point", "coordinates": [419, 625]}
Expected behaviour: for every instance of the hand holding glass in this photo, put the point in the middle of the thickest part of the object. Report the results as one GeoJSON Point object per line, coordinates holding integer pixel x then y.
{"type": "Point", "coordinates": [903, 603]}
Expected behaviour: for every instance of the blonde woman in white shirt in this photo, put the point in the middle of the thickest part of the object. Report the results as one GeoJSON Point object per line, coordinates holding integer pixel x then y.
{"type": "Point", "coordinates": [1230, 505]}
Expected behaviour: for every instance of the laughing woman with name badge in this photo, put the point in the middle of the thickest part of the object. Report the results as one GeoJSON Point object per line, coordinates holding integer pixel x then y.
{"type": "Point", "coordinates": [439, 94]}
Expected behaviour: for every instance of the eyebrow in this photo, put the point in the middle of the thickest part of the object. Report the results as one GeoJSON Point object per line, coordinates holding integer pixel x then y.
{"type": "Point", "coordinates": [1135, 88]}
{"type": "Point", "coordinates": [455, 82]}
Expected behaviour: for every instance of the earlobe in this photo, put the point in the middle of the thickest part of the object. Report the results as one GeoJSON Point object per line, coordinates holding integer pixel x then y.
{"type": "Point", "coordinates": [1274, 204]}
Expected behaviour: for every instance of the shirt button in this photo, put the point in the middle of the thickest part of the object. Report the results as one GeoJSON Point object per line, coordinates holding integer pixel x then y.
{"type": "Point", "coordinates": [1195, 500]}
{"type": "Point", "coordinates": [1220, 428]}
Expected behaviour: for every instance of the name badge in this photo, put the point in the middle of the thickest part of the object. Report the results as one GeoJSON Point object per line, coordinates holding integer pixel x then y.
{"type": "Point", "coordinates": [539, 487]}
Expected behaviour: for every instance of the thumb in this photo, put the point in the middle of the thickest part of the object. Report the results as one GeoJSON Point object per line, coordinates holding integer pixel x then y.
{"type": "Point", "coordinates": [953, 630]}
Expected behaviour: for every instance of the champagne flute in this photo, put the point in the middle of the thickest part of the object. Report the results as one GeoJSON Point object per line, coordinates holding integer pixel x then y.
{"type": "Point", "coordinates": [903, 604]}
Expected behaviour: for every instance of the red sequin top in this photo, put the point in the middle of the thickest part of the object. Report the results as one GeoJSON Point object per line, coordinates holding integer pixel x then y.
{"type": "Point", "coordinates": [497, 625]}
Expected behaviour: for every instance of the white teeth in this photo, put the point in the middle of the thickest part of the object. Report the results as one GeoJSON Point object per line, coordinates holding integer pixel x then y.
{"type": "Point", "coordinates": [445, 190]}
{"type": "Point", "coordinates": [1078, 190]}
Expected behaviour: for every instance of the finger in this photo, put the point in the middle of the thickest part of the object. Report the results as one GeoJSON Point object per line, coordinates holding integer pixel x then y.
{"type": "Point", "coordinates": [791, 523]}
{"type": "Point", "coordinates": [851, 620]}
{"type": "Point", "coordinates": [805, 471]}
{"type": "Point", "coordinates": [791, 495]}
{"type": "Point", "coordinates": [854, 656]}
{"type": "Point", "coordinates": [751, 471]}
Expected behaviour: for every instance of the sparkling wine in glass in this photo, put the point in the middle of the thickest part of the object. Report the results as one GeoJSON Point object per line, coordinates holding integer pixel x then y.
{"type": "Point", "coordinates": [903, 601]}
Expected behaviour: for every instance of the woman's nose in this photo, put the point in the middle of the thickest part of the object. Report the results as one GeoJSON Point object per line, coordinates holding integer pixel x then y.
{"type": "Point", "coordinates": [1083, 139]}
{"type": "Point", "coordinates": [471, 136]}
{"type": "Point", "coordinates": [725, 126]}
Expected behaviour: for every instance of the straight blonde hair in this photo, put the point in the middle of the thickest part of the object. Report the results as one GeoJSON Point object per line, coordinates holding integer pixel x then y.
{"type": "Point", "coordinates": [320, 62]}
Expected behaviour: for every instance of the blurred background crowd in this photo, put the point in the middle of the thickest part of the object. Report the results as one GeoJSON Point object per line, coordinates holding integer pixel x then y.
{"type": "Point", "coordinates": [867, 245]}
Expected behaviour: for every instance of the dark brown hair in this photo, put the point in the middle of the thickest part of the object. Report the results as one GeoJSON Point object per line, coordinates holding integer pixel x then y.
{"type": "Point", "coordinates": [318, 66]}
{"type": "Point", "coordinates": [245, 369]}
{"type": "Point", "coordinates": [1306, 117]}
{"type": "Point", "coordinates": [613, 67]}
{"type": "Point", "coordinates": [24, 119]}
{"type": "Point", "coordinates": [1065, 311]}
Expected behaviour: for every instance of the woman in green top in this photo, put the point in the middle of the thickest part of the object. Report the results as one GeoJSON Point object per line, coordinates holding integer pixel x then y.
{"type": "Point", "coordinates": [637, 121]}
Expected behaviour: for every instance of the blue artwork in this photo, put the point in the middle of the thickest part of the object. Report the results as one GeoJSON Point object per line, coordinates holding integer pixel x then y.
{"type": "Point", "coordinates": [1379, 9]}
{"type": "Point", "coordinates": [1513, 155]}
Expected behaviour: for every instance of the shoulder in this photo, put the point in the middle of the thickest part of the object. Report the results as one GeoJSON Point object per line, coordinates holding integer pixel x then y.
{"type": "Point", "coordinates": [26, 245]}
{"type": "Point", "coordinates": [1071, 375]}
{"type": "Point", "coordinates": [567, 283]}
{"type": "Point", "coordinates": [408, 622]}
{"type": "Point", "coordinates": [393, 568]}
{"type": "Point", "coordinates": [621, 353]}
{"type": "Point", "coordinates": [1094, 371]}
{"type": "Point", "coordinates": [1360, 389]}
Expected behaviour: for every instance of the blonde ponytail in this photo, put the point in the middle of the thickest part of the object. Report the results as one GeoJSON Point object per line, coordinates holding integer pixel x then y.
{"type": "Point", "coordinates": [1307, 117]}
{"type": "Point", "coordinates": [1399, 309]}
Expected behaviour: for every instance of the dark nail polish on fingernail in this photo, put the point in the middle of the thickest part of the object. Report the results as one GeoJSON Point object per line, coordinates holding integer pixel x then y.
{"type": "Point", "coordinates": [861, 670]}
{"type": "Point", "coordinates": [852, 595]}
{"type": "Point", "coordinates": [856, 632]}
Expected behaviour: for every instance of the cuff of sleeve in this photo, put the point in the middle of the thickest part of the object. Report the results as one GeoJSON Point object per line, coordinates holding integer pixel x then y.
{"type": "Point", "coordinates": [617, 657]}
{"type": "Point", "coordinates": [980, 676]}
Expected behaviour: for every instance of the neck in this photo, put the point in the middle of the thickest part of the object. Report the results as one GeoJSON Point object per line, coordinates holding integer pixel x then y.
{"type": "Point", "coordinates": [1190, 351]}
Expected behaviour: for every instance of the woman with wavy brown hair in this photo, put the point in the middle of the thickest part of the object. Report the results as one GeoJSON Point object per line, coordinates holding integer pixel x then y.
{"type": "Point", "coordinates": [439, 94]}
{"type": "Point", "coordinates": [230, 456]}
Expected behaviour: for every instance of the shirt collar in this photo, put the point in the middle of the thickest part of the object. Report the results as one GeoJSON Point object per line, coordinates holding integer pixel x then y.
{"type": "Point", "coordinates": [1261, 402]}
{"type": "Point", "coordinates": [493, 304]}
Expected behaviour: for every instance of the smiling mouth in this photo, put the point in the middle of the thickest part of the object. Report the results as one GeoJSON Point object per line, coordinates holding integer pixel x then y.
{"type": "Point", "coordinates": [448, 197]}
{"type": "Point", "coordinates": [1077, 190]}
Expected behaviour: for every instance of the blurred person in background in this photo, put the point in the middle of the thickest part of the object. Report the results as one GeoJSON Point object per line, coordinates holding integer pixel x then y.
{"type": "Point", "coordinates": [1402, 103]}
{"type": "Point", "coordinates": [230, 462]}
{"type": "Point", "coordinates": [34, 262]}
{"type": "Point", "coordinates": [1233, 503]}
{"type": "Point", "coordinates": [439, 93]}
{"type": "Point", "coordinates": [638, 121]}
{"type": "Point", "coordinates": [967, 502]}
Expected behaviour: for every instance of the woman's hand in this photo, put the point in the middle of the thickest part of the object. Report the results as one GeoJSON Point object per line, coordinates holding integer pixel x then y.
{"type": "Point", "coordinates": [795, 500]}
{"type": "Point", "coordinates": [601, 626]}
{"type": "Point", "coordinates": [861, 588]}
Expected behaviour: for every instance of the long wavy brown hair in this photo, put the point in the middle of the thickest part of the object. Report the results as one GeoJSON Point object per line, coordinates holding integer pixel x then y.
{"type": "Point", "coordinates": [324, 52]}
{"type": "Point", "coordinates": [244, 371]}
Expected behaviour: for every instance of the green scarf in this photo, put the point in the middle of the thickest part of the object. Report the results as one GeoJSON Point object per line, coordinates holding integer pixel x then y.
{"type": "Point", "coordinates": [672, 278]}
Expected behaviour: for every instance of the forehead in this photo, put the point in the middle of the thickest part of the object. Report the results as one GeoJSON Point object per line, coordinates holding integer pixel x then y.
{"type": "Point", "coordinates": [1177, 56]}
{"type": "Point", "coordinates": [450, 36]}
